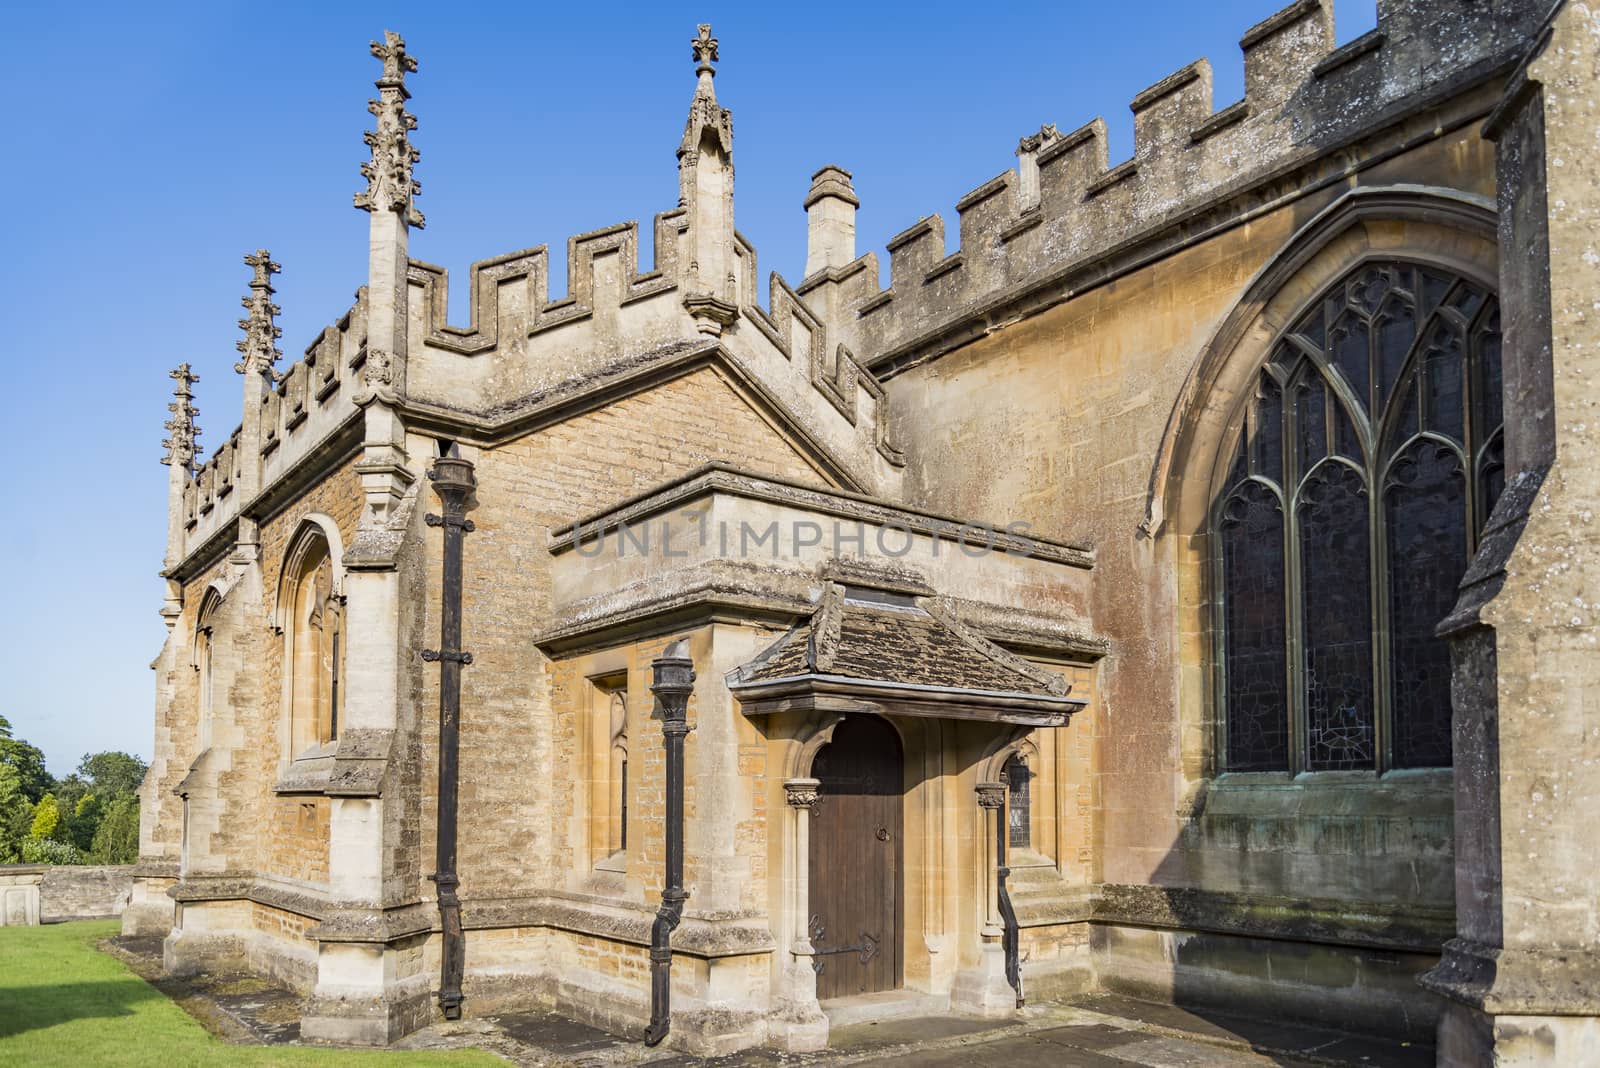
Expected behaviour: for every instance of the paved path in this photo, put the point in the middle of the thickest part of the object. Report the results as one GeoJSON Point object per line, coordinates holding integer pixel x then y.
{"type": "Point", "coordinates": [1090, 1032]}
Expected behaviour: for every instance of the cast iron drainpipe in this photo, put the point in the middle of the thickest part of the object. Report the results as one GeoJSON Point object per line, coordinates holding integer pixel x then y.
{"type": "Point", "coordinates": [672, 683]}
{"type": "Point", "coordinates": [453, 481]}
{"type": "Point", "coordinates": [1010, 936]}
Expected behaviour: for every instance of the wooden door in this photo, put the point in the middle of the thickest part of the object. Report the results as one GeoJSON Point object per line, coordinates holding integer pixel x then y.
{"type": "Point", "coordinates": [855, 879]}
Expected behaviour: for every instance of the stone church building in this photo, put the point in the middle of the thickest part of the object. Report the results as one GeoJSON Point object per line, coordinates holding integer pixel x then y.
{"type": "Point", "coordinates": [1184, 588]}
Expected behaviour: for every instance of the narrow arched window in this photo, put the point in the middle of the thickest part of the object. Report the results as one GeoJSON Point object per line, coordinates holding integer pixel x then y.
{"type": "Point", "coordinates": [605, 755]}
{"type": "Point", "coordinates": [204, 656]}
{"type": "Point", "coordinates": [1019, 801]}
{"type": "Point", "coordinates": [617, 829]}
{"type": "Point", "coordinates": [315, 632]}
{"type": "Point", "coordinates": [1367, 460]}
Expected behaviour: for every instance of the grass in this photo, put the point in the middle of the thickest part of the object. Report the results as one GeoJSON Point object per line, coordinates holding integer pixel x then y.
{"type": "Point", "coordinates": [62, 1002]}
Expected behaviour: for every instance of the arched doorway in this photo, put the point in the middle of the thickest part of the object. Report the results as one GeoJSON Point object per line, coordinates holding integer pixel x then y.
{"type": "Point", "coordinates": [856, 860]}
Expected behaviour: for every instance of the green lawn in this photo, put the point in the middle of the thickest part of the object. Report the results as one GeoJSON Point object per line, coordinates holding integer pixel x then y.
{"type": "Point", "coordinates": [62, 1002]}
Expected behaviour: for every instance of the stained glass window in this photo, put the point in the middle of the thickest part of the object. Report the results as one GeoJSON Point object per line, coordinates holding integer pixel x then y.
{"type": "Point", "coordinates": [1019, 805]}
{"type": "Point", "coordinates": [1367, 461]}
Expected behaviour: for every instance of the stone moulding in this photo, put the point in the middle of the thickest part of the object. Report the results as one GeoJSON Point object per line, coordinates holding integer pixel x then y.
{"type": "Point", "coordinates": [1504, 981]}
{"type": "Point", "coordinates": [729, 479]}
{"type": "Point", "coordinates": [723, 591]}
{"type": "Point", "coordinates": [718, 592]}
{"type": "Point", "coordinates": [1331, 922]}
{"type": "Point", "coordinates": [1452, 208]}
{"type": "Point", "coordinates": [242, 886]}
{"type": "Point", "coordinates": [1406, 928]}
{"type": "Point", "coordinates": [703, 936]}
{"type": "Point", "coordinates": [625, 377]}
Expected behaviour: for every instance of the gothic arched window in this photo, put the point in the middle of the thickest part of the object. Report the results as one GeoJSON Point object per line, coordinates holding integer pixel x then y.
{"type": "Point", "coordinates": [314, 629]}
{"type": "Point", "coordinates": [1019, 801]}
{"type": "Point", "coordinates": [1367, 461]}
{"type": "Point", "coordinates": [606, 748]}
{"type": "Point", "coordinates": [204, 636]}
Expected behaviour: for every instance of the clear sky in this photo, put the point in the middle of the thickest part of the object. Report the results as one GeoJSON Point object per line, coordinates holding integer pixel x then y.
{"type": "Point", "coordinates": [148, 147]}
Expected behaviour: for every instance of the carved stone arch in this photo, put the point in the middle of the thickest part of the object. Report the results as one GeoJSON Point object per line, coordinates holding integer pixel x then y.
{"type": "Point", "coordinates": [1001, 748]}
{"type": "Point", "coordinates": [211, 602]}
{"type": "Point", "coordinates": [310, 528]}
{"type": "Point", "coordinates": [310, 696]}
{"type": "Point", "coordinates": [1441, 227]}
{"type": "Point", "coordinates": [817, 733]}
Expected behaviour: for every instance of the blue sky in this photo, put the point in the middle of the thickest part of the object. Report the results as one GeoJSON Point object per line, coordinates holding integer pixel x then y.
{"type": "Point", "coordinates": [149, 148]}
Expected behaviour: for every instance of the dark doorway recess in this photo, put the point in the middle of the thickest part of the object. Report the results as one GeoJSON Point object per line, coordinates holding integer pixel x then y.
{"type": "Point", "coordinates": [856, 860]}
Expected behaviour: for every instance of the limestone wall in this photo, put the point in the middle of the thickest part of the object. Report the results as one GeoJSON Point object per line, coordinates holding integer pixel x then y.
{"type": "Point", "coordinates": [516, 795]}
{"type": "Point", "coordinates": [1059, 420]}
{"type": "Point", "coordinates": [52, 893]}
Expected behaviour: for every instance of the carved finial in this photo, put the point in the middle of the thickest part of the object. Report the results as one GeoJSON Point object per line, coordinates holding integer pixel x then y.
{"type": "Point", "coordinates": [182, 445]}
{"type": "Point", "coordinates": [704, 112]}
{"type": "Point", "coordinates": [397, 62]}
{"type": "Point", "coordinates": [259, 344]}
{"type": "Point", "coordinates": [1047, 134]}
{"type": "Point", "coordinates": [390, 186]}
{"type": "Point", "coordinates": [705, 49]}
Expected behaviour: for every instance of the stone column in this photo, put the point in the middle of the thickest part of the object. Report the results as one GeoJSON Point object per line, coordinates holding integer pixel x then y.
{"type": "Point", "coordinates": [983, 990]}
{"type": "Point", "coordinates": [1522, 975]}
{"type": "Point", "coordinates": [801, 1025]}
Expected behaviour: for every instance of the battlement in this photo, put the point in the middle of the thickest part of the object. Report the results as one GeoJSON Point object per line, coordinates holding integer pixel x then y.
{"type": "Point", "coordinates": [521, 343]}
{"type": "Point", "coordinates": [529, 270]}
{"type": "Point", "coordinates": [799, 334]}
{"type": "Point", "coordinates": [1065, 204]}
{"type": "Point", "coordinates": [310, 402]}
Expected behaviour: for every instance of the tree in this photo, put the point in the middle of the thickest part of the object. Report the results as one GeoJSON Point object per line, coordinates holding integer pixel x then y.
{"type": "Point", "coordinates": [28, 762]}
{"type": "Point", "coordinates": [112, 775]}
{"type": "Point", "coordinates": [117, 839]}
{"type": "Point", "coordinates": [69, 791]}
{"type": "Point", "coordinates": [16, 815]}
{"type": "Point", "coordinates": [85, 821]}
{"type": "Point", "coordinates": [46, 819]}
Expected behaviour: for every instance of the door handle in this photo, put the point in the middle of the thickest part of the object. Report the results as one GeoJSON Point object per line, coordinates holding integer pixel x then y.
{"type": "Point", "coordinates": [883, 834]}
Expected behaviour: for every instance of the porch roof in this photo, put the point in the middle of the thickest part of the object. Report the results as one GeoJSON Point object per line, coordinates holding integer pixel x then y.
{"type": "Point", "coordinates": [866, 649]}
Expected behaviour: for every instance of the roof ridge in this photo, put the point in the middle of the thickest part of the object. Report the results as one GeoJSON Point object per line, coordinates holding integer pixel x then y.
{"type": "Point", "coordinates": [941, 610]}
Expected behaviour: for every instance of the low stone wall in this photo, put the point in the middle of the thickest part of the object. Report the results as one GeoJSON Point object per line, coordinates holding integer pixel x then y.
{"type": "Point", "coordinates": [50, 893]}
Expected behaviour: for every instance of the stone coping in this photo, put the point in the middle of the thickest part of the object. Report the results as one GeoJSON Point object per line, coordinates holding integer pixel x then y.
{"type": "Point", "coordinates": [724, 591]}
{"type": "Point", "coordinates": [720, 477]}
{"type": "Point", "coordinates": [1410, 928]}
{"type": "Point", "coordinates": [1042, 903]}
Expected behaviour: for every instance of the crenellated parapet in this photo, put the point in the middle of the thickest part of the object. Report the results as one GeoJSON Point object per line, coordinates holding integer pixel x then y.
{"type": "Point", "coordinates": [803, 338]}
{"type": "Point", "coordinates": [1309, 118]}
{"type": "Point", "coordinates": [299, 412]}
{"type": "Point", "coordinates": [510, 294]}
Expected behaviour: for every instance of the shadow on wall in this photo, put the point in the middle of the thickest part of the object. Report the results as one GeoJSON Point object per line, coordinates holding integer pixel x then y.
{"type": "Point", "coordinates": [1306, 901]}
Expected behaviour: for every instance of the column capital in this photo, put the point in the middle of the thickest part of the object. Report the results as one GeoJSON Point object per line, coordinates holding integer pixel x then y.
{"type": "Point", "coordinates": [801, 793]}
{"type": "Point", "coordinates": [991, 794]}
